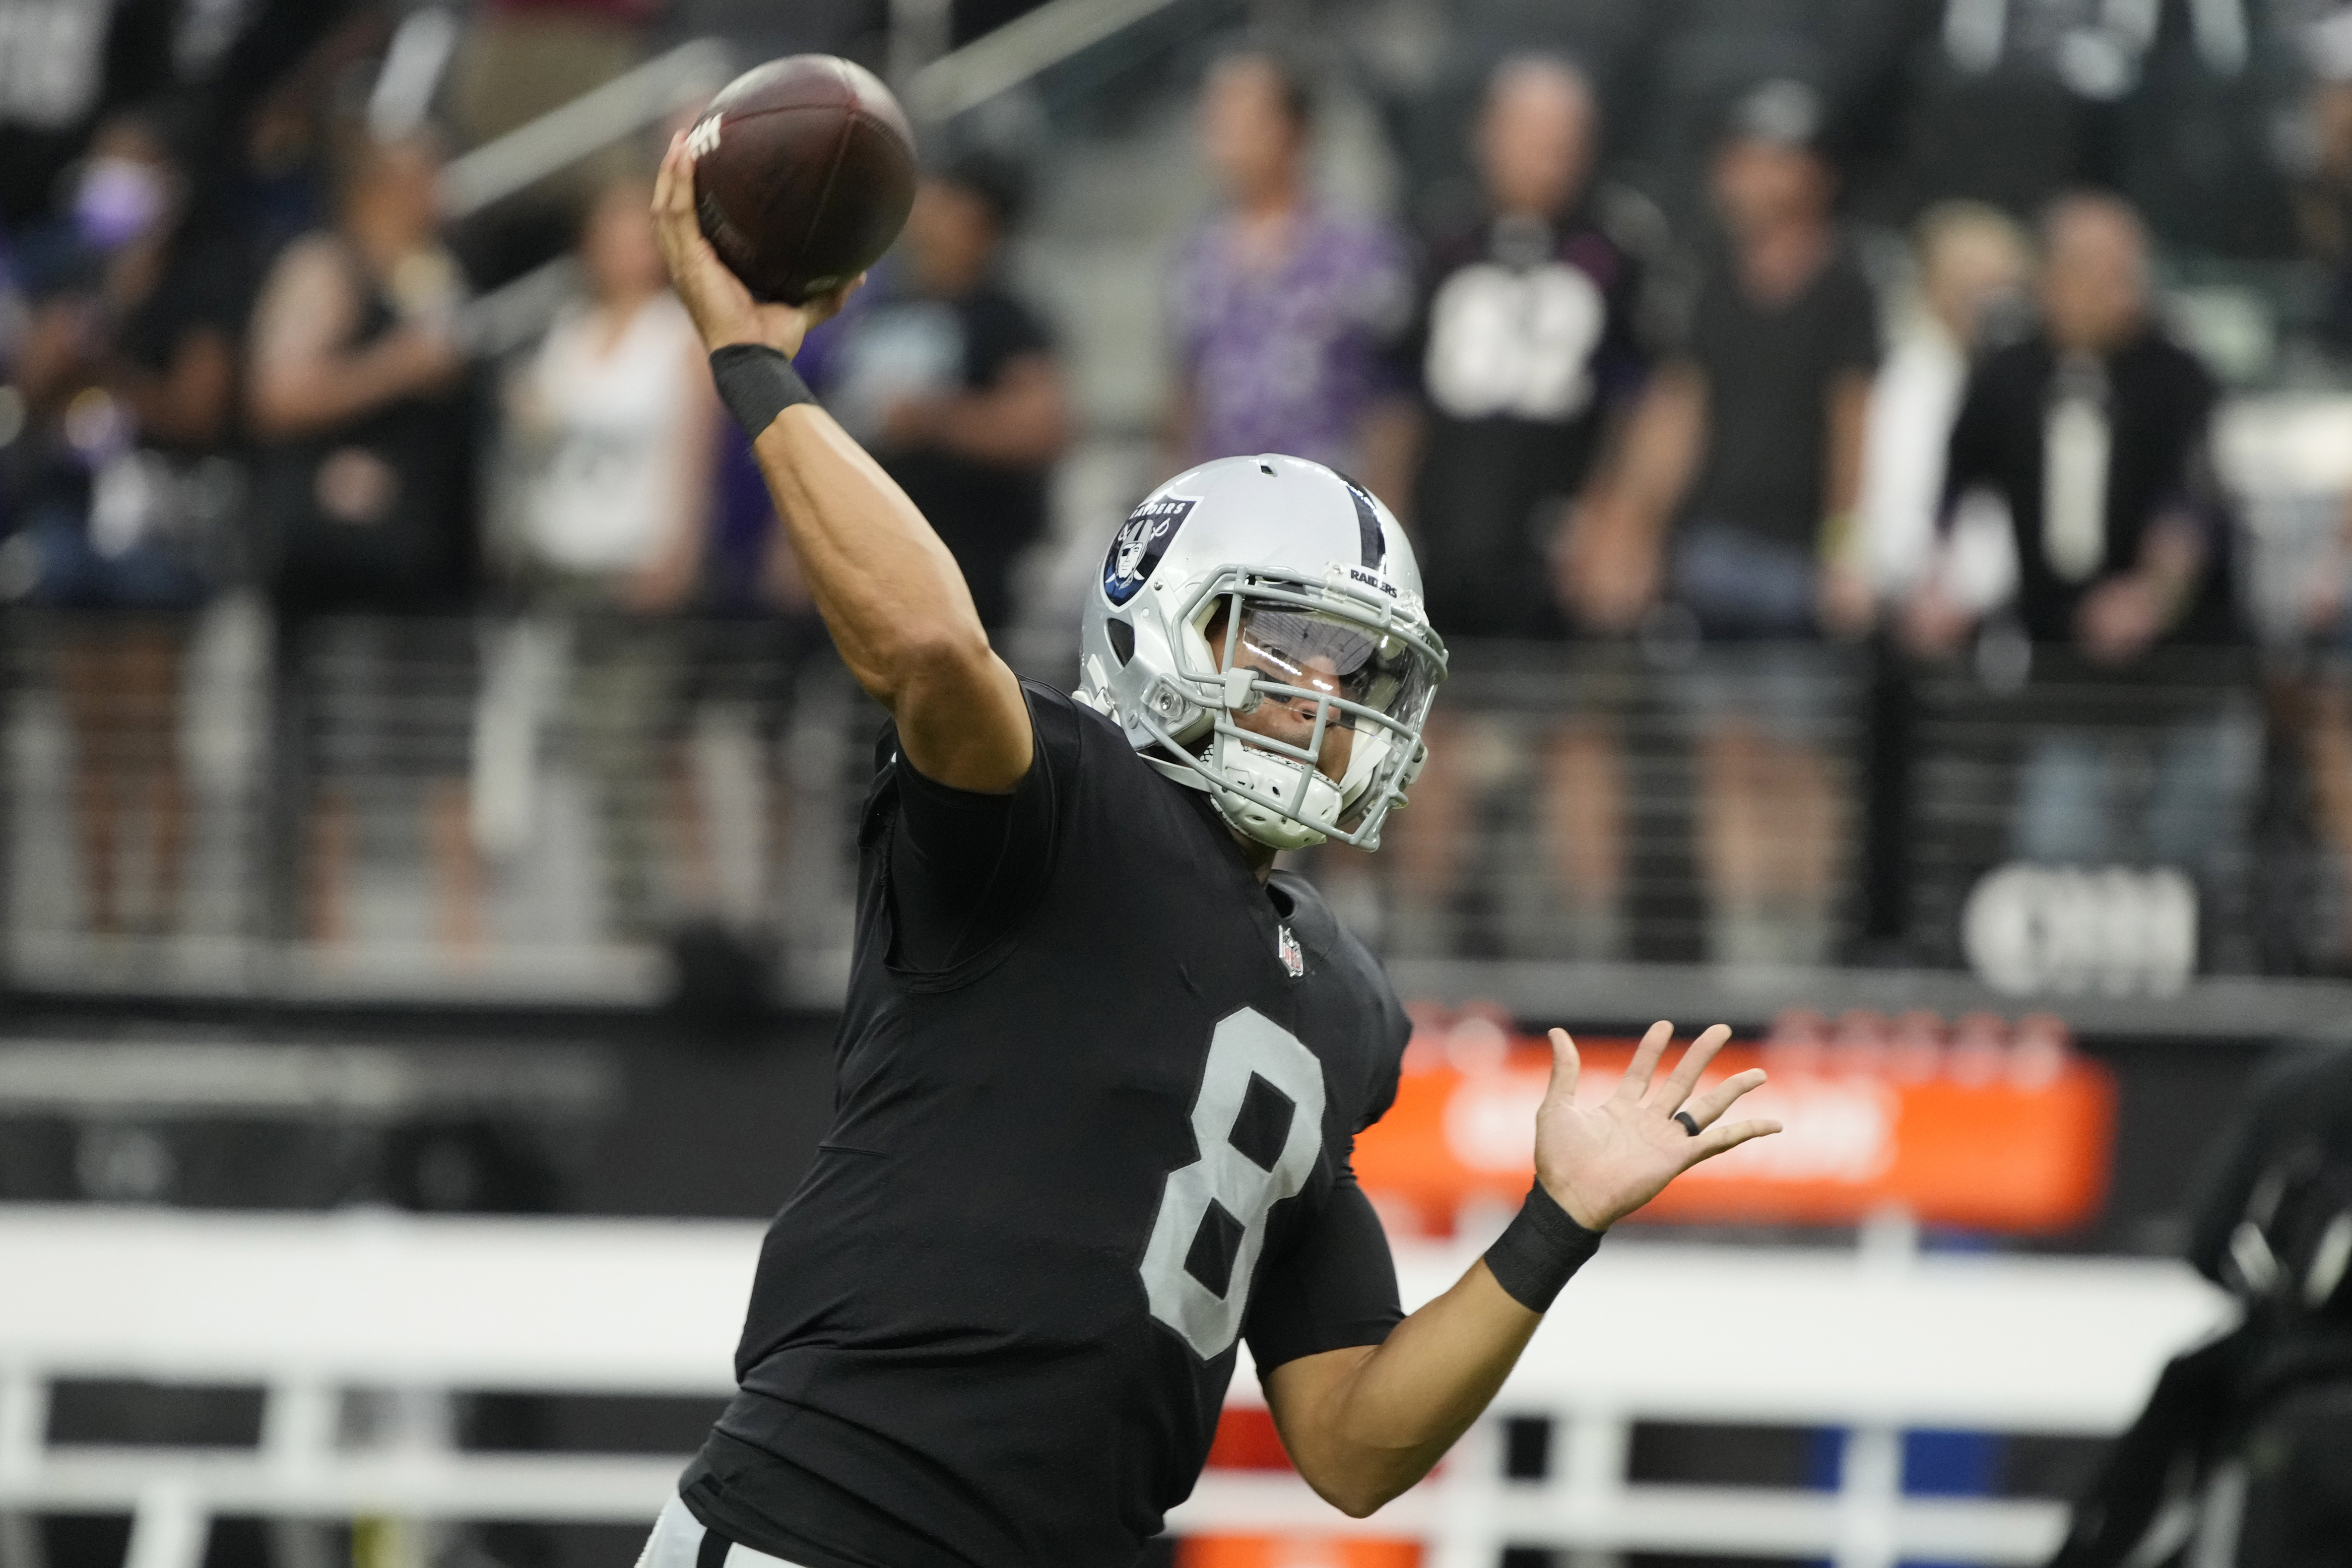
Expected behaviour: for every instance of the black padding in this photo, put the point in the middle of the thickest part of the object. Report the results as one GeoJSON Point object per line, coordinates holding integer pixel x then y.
{"type": "Point", "coordinates": [1539, 1251]}
{"type": "Point", "coordinates": [756, 383]}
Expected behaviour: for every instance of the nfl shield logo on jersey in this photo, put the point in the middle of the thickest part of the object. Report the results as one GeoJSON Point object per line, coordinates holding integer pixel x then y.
{"type": "Point", "coordinates": [1294, 958]}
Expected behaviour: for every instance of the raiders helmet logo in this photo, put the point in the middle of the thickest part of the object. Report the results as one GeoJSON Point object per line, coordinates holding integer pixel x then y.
{"type": "Point", "coordinates": [1142, 541]}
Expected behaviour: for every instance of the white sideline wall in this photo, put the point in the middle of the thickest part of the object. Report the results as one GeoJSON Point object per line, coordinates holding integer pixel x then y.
{"type": "Point", "coordinates": [306, 1306]}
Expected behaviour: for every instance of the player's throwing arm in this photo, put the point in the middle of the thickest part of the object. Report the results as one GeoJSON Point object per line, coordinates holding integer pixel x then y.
{"type": "Point", "coordinates": [888, 588]}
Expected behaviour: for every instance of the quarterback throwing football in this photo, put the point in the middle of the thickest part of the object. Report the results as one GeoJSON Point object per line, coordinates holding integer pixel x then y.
{"type": "Point", "coordinates": [1101, 1067]}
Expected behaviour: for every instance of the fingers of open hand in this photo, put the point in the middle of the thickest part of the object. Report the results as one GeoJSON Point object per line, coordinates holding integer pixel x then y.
{"type": "Point", "coordinates": [1566, 1066]}
{"type": "Point", "coordinates": [1685, 1077]}
{"type": "Point", "coordinates": [1709, 1107]}
{"type": "Point", "coordinates": [1729, 1135]}
{"type": "Point", "coordinates": [1635, 1085]}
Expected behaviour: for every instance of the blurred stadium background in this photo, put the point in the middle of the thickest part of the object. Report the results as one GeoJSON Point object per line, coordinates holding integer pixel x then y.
{"type": "Point", "coordinates": [422, 910]}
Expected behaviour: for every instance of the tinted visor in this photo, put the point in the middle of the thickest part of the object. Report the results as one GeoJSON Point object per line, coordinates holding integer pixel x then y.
{"type": "Point", "coordinates": [1318, 654]}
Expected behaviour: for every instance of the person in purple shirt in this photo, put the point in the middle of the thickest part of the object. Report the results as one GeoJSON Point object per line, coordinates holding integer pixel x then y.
{"type": "Point", "coordinates": [1284, 311]}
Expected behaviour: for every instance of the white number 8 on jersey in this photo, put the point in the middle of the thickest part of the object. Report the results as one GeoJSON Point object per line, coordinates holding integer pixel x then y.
{"type": "Point", "coordinates": [1259, 1124]}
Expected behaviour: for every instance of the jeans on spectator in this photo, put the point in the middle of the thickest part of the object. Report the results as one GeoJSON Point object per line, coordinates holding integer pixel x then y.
{"type": "Point", "coordinates": [2177, 797]}
{"type": "Point", "coordinates": [68, 569]}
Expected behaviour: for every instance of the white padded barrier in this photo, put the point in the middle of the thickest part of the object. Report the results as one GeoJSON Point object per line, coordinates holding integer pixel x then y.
{"type": "Point", "coordinates": [308, 1307]}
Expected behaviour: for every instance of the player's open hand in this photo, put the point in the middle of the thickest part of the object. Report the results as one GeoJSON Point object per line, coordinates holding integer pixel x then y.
{"type": "Point", "coordinates": [1600, 1163]}
{"type": "Point", "coordinates": [723, 310]}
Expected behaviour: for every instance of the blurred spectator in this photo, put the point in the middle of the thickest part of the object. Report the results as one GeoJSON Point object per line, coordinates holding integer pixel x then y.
{"type": "Point", "coordinates": [358, 398]}
{"type": "Point", "coordinates": [1284, 311]}
{"type": "Point", "coordinates": [2326, 725]}
{"type": "Point", "coordinates": [619, 401]}
{"type": "Point", "coordinates": [2327, 745]}
{"type": "Point", "coordinates": [66, 65]}
{"type": "Point", "coordinates": [1523, 349]}
{"type": "Point", "coordinates": [1750, 441]}
{"type": "Point", "coordinates": [2324, 202]}
{"type": "Point", "coordinates": [952, 381]}
{"type": "Point", "coordinates": [360, 403]}
{"type": "Point", "coordinates": [128, 373]}
{"type": "Point", "coordinates": [275, 167]}
{"type": "Point", "coordinates": [13, 317]}
{"type": "Point", "coordinates": [617, 519]}
{"type": "Point", "coordinates": [1973, 263]}
{"type": "Point", "coordinates": [2095, 432]}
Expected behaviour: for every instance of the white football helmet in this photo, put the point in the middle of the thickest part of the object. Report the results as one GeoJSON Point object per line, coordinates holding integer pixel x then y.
{"type": "Point", "coordinates": [1258, 634]}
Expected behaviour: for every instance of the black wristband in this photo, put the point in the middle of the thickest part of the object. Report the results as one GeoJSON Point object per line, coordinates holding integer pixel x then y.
{"type": "Point", "coordinates": [756, 383]}
{"type": "Point", "coordinates": [1539, 1251]}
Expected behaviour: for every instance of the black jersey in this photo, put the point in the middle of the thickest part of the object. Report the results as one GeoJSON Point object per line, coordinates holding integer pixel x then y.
{"type": "Point", "coordinates": [1524, 345]}
{"type": "Point", "coordinates": [1094, 1136]}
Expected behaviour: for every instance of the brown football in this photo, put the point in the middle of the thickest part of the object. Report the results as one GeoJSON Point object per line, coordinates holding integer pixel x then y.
{"type": "Point", "coordinates": [804, 172]}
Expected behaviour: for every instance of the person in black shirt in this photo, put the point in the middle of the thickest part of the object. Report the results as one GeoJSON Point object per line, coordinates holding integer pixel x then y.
{"type": "Point", "coordinates": [952, 381]}
{"type": "Point", "coordinates": [1525, 352]}
{"type": "Point", "coordinates": [1100, 1067]}
{"type": "Point", "coordinates": [1750, 443]}
{"type": "Point", "coordinates": [360, 401]}
{"type": "Point", "coordinates": [2096, 433]}
{"type": "Point", "coordinates": [1523, 348]}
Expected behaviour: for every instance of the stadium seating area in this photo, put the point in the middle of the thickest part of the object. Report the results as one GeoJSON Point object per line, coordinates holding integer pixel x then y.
{"type": "Point", "coordinates": [425, 783]}
{"type": "Point", "coordinates": [280, 796]}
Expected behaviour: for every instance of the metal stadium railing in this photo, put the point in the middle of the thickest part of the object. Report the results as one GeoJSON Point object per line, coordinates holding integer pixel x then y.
{"type": "Point", "coordinates": [520, 808]}
{"type": "Point", "coordinates": [1606, 802]}
{"type": "Point", "coordinates": [565, 810]}
{"type": "Point", "coordinates": [2068, 765]}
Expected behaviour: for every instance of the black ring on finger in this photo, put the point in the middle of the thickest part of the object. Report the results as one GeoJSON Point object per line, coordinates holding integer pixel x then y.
{"type": "Point", "coordinates": [1689, 1125]}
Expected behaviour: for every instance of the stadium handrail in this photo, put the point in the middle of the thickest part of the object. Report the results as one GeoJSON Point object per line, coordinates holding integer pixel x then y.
{"type": "Point", "coordinates": [563, 135]}
{"type": "Point", "coordinates": [1875, 1340]}
{"type": "Point", "coordinates": [1002, 60]}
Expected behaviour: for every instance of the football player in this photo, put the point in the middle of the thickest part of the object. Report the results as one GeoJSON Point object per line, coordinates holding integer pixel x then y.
{"type": "Point", "coordinates": [1100, 1066]}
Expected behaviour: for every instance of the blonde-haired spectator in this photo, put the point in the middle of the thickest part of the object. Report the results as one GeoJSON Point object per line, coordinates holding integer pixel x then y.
{"type": "Point", "coordinates": [619, 399]}
{"type": "Point", "coordinates": [1973, 263]}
